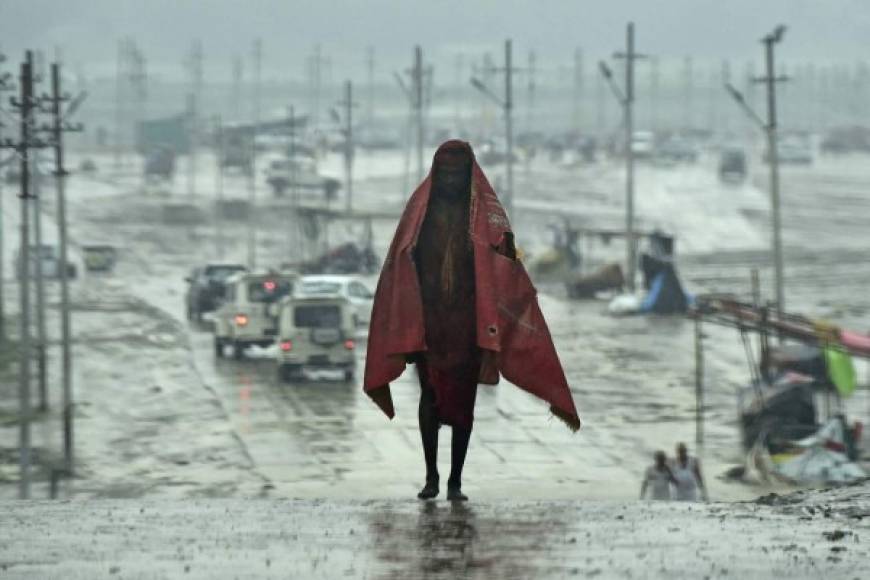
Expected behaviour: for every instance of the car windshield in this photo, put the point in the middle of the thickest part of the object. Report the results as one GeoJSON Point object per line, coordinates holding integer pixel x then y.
{"type": "Point", "coordinates": [221, 273]}
{"type": "Point", "coordinates": [317, 316]}
{"type": "Point", "coordinates": [268, 290]}
{"type": "Point", "coordinates": [317, 287]}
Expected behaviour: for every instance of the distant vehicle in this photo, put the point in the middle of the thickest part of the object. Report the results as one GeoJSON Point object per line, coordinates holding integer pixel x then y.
{"type": "Point", "coordinates": [347, 287]}
{"type": "Point", "coordinates": [677, 149]}
{"type": "Point", "coordinates": [249, 314]}
{"type": "Point", "coordinates": [88, 166]}
{"type": "Point", "coordinates": [793, 151]}
{"type": "Point", "coordinates": [206, 287]}
{"type": "Point", "coordinates": [643, 144]}
{"type": "Point", "coordinates": [299, 172]}
{"type": "Point", "coordinates": [846, 140]}
{"type": "Point", "coordinates": [349, 258]}
{"type": "Point", "coordinates": [160, 164]}
{"type": "Point", "coordinates": [732, 165]}
{"type": "Point", "coordinates": [99, 257]}
{"type": "Point", "coordinates": [236, 153]}
{"type": "Point", "coordinates": [490, 153]}
{"type": "Point", "coordinates": [316, 332]}
{"type": "Point", "coordinates": [45, 257]}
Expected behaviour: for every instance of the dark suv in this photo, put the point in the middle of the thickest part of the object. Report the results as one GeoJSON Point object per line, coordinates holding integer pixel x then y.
{"type": "Point", "coordinates": [206, 287]}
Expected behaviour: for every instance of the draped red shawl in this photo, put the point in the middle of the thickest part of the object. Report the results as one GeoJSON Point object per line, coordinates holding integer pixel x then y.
{"type": "Point", "coordinates": [511, 331]}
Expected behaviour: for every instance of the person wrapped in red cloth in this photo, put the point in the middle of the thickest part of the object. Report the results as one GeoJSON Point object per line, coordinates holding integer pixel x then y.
{"type": "Point", "coordinates": [454, 299]}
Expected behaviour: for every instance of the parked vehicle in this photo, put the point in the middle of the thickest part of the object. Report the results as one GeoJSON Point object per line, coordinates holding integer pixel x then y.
{"type": "Point", "coordinates": [677, 149]}
{"type": "Point", "coordinates": [207, 287]}
{"type": "Point", "coordinates": [793, 150]}
{"type": "Point", "coordinates": [248, 315]}
{"type": "Point", "coordinates": [299, 172]}
{"type": "Point", "coordinates": [44, 257]}
{"type": "Point", "coordinates": [732, 165]}
{"type": "Point", "coordinates": [643, 144]}
{"type": "Point", "coordinates": [160, 164]}
{"type": "Point", "coordinates": [349, 288]}
{"type": "Point", "coordinates": [316, 332]}
{"type": "Point", "coordinates": [100, 257]}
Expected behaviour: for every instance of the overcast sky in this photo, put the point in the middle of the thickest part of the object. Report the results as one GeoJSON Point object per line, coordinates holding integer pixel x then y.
{"type": "Point", "coordinates": [86, 30]}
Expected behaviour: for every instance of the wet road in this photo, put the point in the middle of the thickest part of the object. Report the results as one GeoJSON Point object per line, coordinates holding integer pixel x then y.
{"type": "Point", "coordinates": [240, 539]}
{"type": "Point", "coordinates": [633, 378]}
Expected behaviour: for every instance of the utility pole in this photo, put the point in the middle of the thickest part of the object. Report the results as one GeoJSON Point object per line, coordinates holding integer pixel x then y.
{"type": "Point", "coordinates": [770, 80]}
{"type": "Point", "coordinates": [296, 230]}
{"type": "Point", "coordinates": [417, 78]}
{"type": "Point", "coordinates": [219, 186]}
{"type": "Point", "coordinates": [348, 105]}
{"type": "Point", "coordinates": [194, 66]}
{"type": "Point", "coordinates": [237, 89]}
{"type": "Point", "coordinates": [507, 105]}
{"type": "Point", "coordinates": [509, 128]}
{"type": "Point", "coordinates": [316, 62]}
{"type": "Point", "coordinates": [370, 100]}
{"type": "Point", "coordinates": [252, 179]}
{"type": "Point", "coordinates": [119, 100]}
{"type": "Point", "coordinates": [688, 92]}
{"type": "Point", "coordinates": [59, 127]}
{"type": "Point", "coordinates": [5, 85]}
{"type": "Point", "coordinates": [627, 101]}
{"type": "Point", "coordinates": [770, 128]}
{"type": "Point", "coordinates": [27, 141]}
{"type": "Point", "coordinates": [417, 97]}
{"type": "Point", "coordinates": [655, 86]}
{"type": "Point", "coordinates": [601, 107]}
{"type": "Point", "coordinates": [577, 100]}
{"type": "Point", "coordinates": [530, 105]}
{"type": "Point", "coordinates": [39, 274]}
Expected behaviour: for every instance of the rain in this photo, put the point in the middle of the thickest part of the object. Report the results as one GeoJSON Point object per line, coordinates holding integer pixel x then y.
{"type": "Point", "coordinates": [202, 210]}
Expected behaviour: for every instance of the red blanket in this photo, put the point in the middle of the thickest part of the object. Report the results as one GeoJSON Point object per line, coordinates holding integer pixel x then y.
{"type": "Point", "coordinates": [511, 331]}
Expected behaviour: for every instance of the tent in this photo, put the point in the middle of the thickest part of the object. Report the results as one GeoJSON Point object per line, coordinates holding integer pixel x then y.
{"type": "Point", "coordinates": [665, 294]}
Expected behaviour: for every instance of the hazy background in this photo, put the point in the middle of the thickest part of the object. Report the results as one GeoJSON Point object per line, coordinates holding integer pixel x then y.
{"type": "Point", "coordinates": [819, 30]}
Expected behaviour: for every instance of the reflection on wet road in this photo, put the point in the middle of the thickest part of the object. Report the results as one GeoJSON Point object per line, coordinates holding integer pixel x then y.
{"type": "Point", "coordinates": [327, 439]}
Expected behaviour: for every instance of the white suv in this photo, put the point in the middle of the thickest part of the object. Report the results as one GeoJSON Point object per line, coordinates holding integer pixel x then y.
{"type": "Point", "coordinates": [316, 333]}
{"type": "Point", "coordinates": [249, 314]}
{"type": "Point", "coordinates": [347, 287]}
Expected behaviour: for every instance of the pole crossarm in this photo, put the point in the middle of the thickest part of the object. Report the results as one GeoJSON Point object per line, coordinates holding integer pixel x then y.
{"type": "Point", "coordinates": [741, 102]}
{"type": "Point", "coordinates": [485, 90]}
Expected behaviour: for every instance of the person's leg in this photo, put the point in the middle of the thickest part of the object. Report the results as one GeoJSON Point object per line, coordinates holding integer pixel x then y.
{"type": "Point", "coordinates": [458, 450]}
{"type": "Point", "coordinates": [429, 424]}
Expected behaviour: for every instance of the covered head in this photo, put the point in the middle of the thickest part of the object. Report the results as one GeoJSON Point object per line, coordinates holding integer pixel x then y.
{"type": "Point", "coordinates": [451, 169]}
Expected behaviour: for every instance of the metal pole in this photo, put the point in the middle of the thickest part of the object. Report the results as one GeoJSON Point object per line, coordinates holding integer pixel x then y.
{"type": "Point", "coordinates": [631, 242]}
{"type": "Point", "coordinates": [65, 314]}
{"type": "Point", "coordinates": [219, 232]}
{"type": "Point", "coordinates": [2, 214]}
{"type": "Point", "coordinates": [418, 107]}
{"type": "Point", "coordinates": [756, 288]}
{"type": "Point", "coordinates": [39, 274]}
{"type": "Point", "coordinates": [773, 153]}
{"type": "Point", "coordinates": [296, 231]}
{"type": "Point", "coordinates": [119, 112]}
{"type": "Point", "coordinates": [24, 279]}
{"type": "Point", "coordinates": [252, 180]}
{"type": "Point", "coordinates": [509, 129]}
{"type": "Point", "coordinates": [577, 100]}
{"type": "Point", "coordinates": [699, 383]}
{"type": "Point", "coordinates": [348, 145]}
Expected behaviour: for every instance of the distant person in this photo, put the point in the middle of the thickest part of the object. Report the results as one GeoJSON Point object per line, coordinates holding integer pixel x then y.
{"type": "Point", "coordinates": [687, 472]}
{"type": "Point", "coordinates": [454, 299]}
{"type": "Point", "coordinates": [658, 479]}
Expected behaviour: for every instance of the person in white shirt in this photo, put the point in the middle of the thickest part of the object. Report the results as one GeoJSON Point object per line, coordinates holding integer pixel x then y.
{"type": "Point", "coordinates": [658, 479]}
{"type": "Point", "coordinates": [687, 473]}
